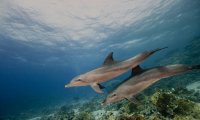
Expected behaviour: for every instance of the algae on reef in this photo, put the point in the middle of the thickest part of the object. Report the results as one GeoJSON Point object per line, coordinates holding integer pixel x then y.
{"type": "Point", "coordinates": [170, 105]}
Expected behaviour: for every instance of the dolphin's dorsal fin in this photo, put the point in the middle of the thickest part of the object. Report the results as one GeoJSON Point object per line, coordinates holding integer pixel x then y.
{"type": "Point", "coordinates": [136, 70]}
{"type": "Point", "coordinates": [109, 59]}
{"type": "Point", "coordinates": [97, 87]}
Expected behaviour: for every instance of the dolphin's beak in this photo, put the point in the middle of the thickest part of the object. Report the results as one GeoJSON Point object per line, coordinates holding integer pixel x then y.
{"type": "Point", "coordinates": [104, 103]}
{"type": "Point", "coordinates": [68, 85]}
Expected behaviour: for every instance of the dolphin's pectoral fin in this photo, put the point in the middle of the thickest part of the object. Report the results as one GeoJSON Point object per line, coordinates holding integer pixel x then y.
{"type": "Point", "coordinates": [133, 102]}
{"type": "Point", "coordinates": [97, 87]}
{"type": "Point", "coordinates": [136, 70]}
{"type": "Point", "coordinates": [132, 99]}
{"type": "Point", "coordinates": [101, 86]}
{"type": "Point", "coordinates": [109, 59]}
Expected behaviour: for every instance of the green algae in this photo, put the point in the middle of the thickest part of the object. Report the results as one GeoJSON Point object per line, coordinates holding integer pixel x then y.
{"type": "Point", "coordinates": [83, 116]}
{"type": "Point", "coordinates": [109, 115]}
{"type": "Point", "coordinates": [129, 108]}
{"type": "Point", "coordinates": [132, 117]}
{"type": "Point", "coordinates": [172, 106]}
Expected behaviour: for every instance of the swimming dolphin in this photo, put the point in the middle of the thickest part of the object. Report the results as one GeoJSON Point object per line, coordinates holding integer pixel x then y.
{"type": "Point", "coordinates": [143, 79]}
{"type": "Point", "coordinates": [109, 70]}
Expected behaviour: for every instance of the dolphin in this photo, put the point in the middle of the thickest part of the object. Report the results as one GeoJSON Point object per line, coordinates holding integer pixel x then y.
{"type": "Point", "coordinates": [142, 79]}
{"type": "Point", "coordinates": [109, 70]}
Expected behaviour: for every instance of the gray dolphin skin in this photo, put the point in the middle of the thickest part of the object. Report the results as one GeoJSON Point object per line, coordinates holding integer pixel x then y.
{"type": "Point", "coordinates": [143, 79]}
{"type": "Point", "coordinates": [109, 70]}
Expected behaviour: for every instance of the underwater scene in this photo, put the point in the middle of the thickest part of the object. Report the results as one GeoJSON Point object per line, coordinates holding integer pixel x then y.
{"type": "Point", "coordinates": [100, 60]}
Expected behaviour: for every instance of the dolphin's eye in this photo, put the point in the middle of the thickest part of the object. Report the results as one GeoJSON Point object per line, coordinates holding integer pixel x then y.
{"type": "Point", "coordinates": [78, 80]}
{"type": "Point", "coordinates": [113, 95]}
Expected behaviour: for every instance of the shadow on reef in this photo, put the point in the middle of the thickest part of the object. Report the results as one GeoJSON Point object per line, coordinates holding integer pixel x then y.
{"type": "Point", "coordinates": [163, 101]}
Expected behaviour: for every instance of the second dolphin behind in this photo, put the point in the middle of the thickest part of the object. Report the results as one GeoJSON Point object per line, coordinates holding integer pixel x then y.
{"type": "Point", "coordinates": [143, 79]}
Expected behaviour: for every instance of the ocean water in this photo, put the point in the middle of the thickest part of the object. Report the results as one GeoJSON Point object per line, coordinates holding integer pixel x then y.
{"type": "Point", "coordinates": [46, 43]}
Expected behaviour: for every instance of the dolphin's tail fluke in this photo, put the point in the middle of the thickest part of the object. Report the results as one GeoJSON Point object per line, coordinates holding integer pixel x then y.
{"type": "Point", "coordinates": [158, 49]}
{"type": "Point", "coordinates": [196, 67]}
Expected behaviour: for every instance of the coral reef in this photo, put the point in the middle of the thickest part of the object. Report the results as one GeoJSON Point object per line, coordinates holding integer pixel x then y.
{"type": "Point", "coordinates": [107, 115]}
{"type": "Point", "coordinates": [132, 117]}
{"type": "Point", "coordinates": [83, 116]}
{"type": "Point", "coordinates": [170, 105]}
{"type": "Point", "coordinates": [161, 105]}
{"type": "Point", "coordinates": [65, 113]}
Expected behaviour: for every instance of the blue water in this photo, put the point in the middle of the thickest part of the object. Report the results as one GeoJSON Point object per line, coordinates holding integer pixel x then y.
{"type": "Point", "coordinates": [33, 74]}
